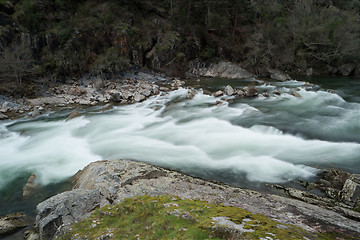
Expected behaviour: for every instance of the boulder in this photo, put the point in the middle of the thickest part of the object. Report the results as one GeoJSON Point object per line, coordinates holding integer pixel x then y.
{"type": "Point", "coordinates": [116, 97]}
{"type": "Point", "coordinates": [191, 93]}
{"type": "Point", "coordinates": [276, 92]}
{"type": "Point", "coordinates": [3, 117]}
{"type": "Point", "coordinates": [106, 107]}
{"type": "Point", "coordinates": [220, 70]}
{"type": "Point", "coordinates": [229, 90]}
{"type": "Point", "coordinates": [139, 97]}
{"type": "Point", "coordinates": [250, 91]}
{"type": "Point", "coordinates": [240, 93]}
{"type": "Point", "coordinates": [350, 192]}
{"type": "Point", "coordinates": [278, 75]}
{"type": "Point", "coordinates": [99, 84]}
{"type": "Point", "coordinates": [346, 69]}
{"type": "Point", "coordinates": [31, 234]}
{"type": "Point", "coordinates": [12, 223]}
{"type": "Point", "coordinates": [36, 113]}
{"type": "Point", "coordinates": [76, 91]}
{"type": "Point", "coordinates": [218, 93]}
{"type": "Point", "coordinates": [56, 214]}
{"type": "Point", "coordinates": [309, 72]}
{"type": "Point", "coordinates": [74, 114]}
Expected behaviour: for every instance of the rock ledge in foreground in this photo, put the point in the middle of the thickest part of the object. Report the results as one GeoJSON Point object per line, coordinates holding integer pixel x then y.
{"type": "Point", "coordinates": [110, 182]}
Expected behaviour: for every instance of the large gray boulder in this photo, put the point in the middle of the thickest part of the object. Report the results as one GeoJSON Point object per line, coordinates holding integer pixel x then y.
{"type": "Point", "coordinates": [110, 182]}
{"type": "Point", "coordinates": [56, 214]}
{"type": "Point", "coordinates": [220, 70]}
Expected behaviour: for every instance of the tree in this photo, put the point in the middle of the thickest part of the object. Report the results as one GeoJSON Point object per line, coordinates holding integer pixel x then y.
{"type": "Point", "coordinates": [16, 61]}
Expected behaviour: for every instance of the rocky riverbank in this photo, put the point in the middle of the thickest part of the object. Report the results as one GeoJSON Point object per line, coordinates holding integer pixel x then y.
{"type": "Point", "coordinates": [106, 183]}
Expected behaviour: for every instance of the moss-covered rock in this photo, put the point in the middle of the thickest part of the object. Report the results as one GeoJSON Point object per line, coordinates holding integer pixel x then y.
{"type": "Point", "coordinates": [168, 217]}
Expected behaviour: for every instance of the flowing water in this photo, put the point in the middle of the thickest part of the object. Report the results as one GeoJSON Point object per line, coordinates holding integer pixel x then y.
{"type": "Point", "coordinates": [242, 142]}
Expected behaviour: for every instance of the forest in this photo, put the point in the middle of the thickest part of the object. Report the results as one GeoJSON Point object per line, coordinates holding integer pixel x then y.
{"type": "Point", "coordinates": [58, 39]}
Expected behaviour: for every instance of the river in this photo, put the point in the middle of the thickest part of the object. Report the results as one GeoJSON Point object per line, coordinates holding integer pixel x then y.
{"type": "Point", "coordinates": [243, 142]}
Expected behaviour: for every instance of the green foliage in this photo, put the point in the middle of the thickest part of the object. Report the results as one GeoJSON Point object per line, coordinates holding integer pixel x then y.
{"type": "Point", "coordinates": [31, 16]}
{"type": "Point", "coordinates": [111, 62]}
{"type": "Point", "coordinates": [208, 53]}
{"type": "Point", "coordinates": [16, 62]}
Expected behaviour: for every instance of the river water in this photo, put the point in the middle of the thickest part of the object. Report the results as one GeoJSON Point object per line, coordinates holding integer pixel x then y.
{"type": "Point", "coordinates": [244, 142]}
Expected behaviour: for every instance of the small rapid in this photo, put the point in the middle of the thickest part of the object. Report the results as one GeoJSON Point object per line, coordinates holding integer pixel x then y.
{"type": "Point", "coordinates": [268, 139]}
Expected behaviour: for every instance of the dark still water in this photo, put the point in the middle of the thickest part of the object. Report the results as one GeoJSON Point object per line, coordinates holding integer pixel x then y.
{"type": "Point", "coordinates": [244, 142]}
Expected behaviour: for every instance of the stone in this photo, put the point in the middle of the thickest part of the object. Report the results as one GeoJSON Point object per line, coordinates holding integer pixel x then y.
{"type": "Point", "coordinates": [56, 214]}
{"type": "Point", "coordinates": [278, 75]}
{"type": "Point", "coordinates": [229, 90]}
{"type": "Point", "coordinates": [219, 70]}
{"type": "Point", "coordinates": [164, 89]}
{"type": "Point", "coordinates": [76, 91]}
{"type": "Point", "coordinates": [116, 97]}
{"type": "Point", "coordinates": [3, 117]}
{"type": "Point", "coordinates": [74, 114]}
{"type": "Point", "coordinates": [250, 91]}
{"type": "Point", "coordinates": [218, 93]}
{"type": "Point", "coordinates": [350, 192]}
{"type": "Point", "coordinates": [31, 234]}
{"type": "Point", "coordinates": [191, 93]}
{"type": "Point", "coordinates": [332, 193]}
{"type": "Point", "coordinates": [106, 107]}
{"type": "Point", "coordinates": [30, 186]}
{"type": "Point", "coordinates": [240, 93]}
{"type": "Point", "coordinates": [295, 94]}
{"type": "Point", "coordinates": [309, 72]}
{"type": "Point", "coordinates": [276, 92]}
{"type": "Point", "coordinates": [12, 223]}
{"type": "Point", "coordinates": [36, 113]}
{"type": "Point", "coordinates": [346, 69]}
{"type": "Point", "coordinates": [139, 97]}
{"type": "Point", "coordinates": [99, 84]}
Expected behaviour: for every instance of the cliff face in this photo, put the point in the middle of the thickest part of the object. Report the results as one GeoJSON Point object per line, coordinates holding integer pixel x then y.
{"type": "Point", "coordinates": [70, 38]}
{"type": "Point", "coordinates": [107, 183]}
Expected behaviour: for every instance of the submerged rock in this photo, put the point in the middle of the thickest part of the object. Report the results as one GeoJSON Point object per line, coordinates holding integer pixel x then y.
{"type": "Point", "coordinates": [30, 186]}
{"type": "Point", "coordinates": [12, 223]}
{"type": "Point", "coordinates": [74, 114]}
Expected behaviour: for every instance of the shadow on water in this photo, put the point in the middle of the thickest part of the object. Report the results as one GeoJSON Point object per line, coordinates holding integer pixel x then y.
{"type": "Point", "coordinates": [12, 201]}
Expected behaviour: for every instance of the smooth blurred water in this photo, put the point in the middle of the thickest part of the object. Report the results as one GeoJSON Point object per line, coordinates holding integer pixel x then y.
{"type": "Point", "coordinates": [248, 141]}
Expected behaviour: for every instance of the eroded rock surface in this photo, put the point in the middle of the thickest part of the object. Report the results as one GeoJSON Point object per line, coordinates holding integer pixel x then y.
{"type": "Point", "coordinates": [220, 70]}
{"type": "Point", "coordinates": [108, 182]}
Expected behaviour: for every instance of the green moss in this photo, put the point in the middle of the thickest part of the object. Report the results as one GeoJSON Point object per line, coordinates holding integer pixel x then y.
{"type": "Point", "coordinates": [167, 217]}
